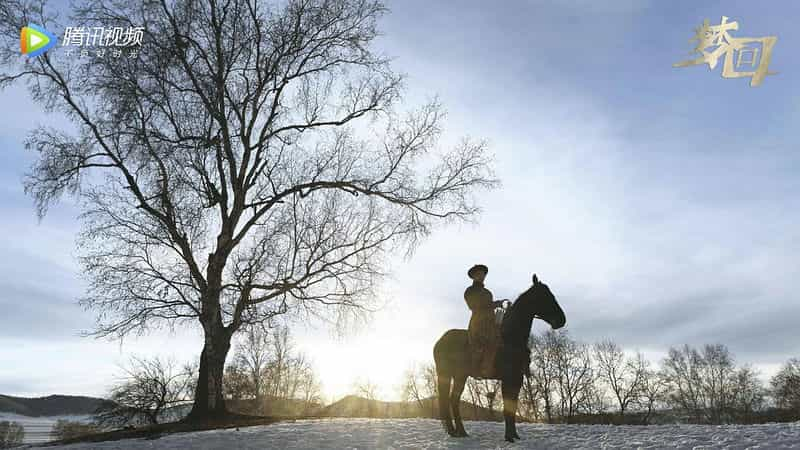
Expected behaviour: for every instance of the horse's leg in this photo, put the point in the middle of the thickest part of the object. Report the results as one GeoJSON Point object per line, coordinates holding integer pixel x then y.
{"type": "Point", "coordinates": [455, 402]}
{"type": "Point", "coordinates": [444, 404]}
{"type": "Point", "coordinates": [511, 386]}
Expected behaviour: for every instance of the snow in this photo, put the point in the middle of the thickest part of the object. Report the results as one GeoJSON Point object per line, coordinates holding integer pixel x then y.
{"type": "Point", "coordinates": [428, 434]}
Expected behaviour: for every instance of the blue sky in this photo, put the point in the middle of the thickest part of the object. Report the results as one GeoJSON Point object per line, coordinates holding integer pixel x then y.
{"type": "Point", "coordinates": [660, 204]}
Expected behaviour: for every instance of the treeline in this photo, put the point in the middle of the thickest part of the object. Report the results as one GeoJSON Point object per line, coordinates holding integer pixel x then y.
{"type": "Point", "coordinates": [267, 375]}
{"type": "Point", "coordinates": [572, 381]}
{"type": "Point", "coordinates": [481, 399]}
{"type": "Point", "coordinates": [576, 382]}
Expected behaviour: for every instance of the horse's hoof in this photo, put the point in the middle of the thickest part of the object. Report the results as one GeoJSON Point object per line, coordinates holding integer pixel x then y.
{"type": "Point", "coordinates": [509, 439]}
{"type": "Point", "coordinates": [462, 434]}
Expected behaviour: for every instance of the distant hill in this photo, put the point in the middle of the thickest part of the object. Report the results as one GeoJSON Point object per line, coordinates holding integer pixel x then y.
{"type": "Point", "coordinates": [52, 405]}
{"type": "Point", "coordinates": [350, 406]}
{"type": "Point", "coordinates": [354, 406]}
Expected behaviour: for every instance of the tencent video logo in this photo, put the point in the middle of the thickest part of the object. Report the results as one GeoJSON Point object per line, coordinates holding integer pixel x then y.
{"type": "Point", "coordinates": [35, 40]}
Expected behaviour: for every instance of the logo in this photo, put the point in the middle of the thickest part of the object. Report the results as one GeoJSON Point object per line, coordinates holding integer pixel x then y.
{"type": "Point", "coordinates": [715, 41]}
{"type": "Point", "coordinates": [35, 40]}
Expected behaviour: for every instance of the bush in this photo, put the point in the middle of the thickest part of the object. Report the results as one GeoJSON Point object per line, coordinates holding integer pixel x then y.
{"type": "Point", "coordinates": [67, 429]}
{"type": "Point", "coordinates": [11, 434]}
{"type": "Point", "coordinates": [149, 393]}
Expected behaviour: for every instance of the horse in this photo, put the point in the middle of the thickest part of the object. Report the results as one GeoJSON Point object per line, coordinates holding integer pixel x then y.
{"type": "Point", "coordinates": [451, 353]}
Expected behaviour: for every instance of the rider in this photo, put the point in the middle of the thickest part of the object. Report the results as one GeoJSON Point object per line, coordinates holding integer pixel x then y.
{"type": "Point", "coordinates": [484, 335]}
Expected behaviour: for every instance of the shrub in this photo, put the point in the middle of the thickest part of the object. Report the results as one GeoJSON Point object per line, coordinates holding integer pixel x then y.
{"type": "Point", "coordinates": [67, 429]}
{"type": "Point", "coordinates": [11, 434]}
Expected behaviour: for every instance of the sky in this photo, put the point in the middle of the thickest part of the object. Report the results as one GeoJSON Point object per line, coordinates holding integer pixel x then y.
{"type": "Point", "coordinates": [660, 204]}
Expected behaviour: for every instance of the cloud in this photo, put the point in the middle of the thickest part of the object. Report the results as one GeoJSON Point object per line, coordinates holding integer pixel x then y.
{"type": "Point", "coordinates": [660, 206]}
{"type": "Point", "coordinates": [36, 313]}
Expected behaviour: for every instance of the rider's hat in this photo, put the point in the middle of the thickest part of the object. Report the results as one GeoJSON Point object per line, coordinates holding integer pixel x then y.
{"type": "Point", "coordinates": [473, 271]}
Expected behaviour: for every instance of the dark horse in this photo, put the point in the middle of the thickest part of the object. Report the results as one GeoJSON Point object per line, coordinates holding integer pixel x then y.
{"type": "Point", "coordinates": [453, 364]}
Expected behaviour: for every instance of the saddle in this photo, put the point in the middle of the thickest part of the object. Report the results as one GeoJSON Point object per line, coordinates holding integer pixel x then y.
{"type": "Point", "coordinates": [488, 362]}
{"type": "Point", "coordinates": [486, 357]}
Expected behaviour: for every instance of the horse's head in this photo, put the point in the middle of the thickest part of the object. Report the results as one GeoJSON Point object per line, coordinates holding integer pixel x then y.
{"type": "Point", "coordinates": [539, 302]}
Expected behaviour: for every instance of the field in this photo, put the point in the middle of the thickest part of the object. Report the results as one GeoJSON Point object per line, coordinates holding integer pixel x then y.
{"type": "Point", "coordinates": [428, 434]}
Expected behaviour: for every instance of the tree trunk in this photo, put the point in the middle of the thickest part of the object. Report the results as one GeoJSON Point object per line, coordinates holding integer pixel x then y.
{"type": "Point", "coordinates": [548, 409]}
{"type": "Point", "coordinates": [646, 419]}
{"type": "Point", "coordinates": [209, 401]}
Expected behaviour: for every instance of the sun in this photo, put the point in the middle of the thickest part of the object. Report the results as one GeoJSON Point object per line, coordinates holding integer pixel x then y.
{"type": "Point", "coordinates": [380, 355]}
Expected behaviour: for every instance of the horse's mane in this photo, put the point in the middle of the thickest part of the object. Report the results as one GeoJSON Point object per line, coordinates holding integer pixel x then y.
{"type": "Point", "coordinates": [525, 294]}
{"type": "Point", "coordinates": [512, 310]}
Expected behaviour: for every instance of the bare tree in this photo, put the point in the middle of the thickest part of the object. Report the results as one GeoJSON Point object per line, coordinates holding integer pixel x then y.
{"type": "Point", "coordinates": [702, 382]}
{"type": "Point", "coordinates": [236, 384]}
{"type": "Point", "coordinates": [476, 396]}
{"type": "Point", "coordinates": [543, 371]}
{"type": "Point", "coordinates": [429, 380]}
{"type": "Point", "coordinates": [310, 390]}
{"type": "Point", "coordinates": [623, 376]}
{"type": "Point", "coordinates": [288, 369]}
{"type": "Point", "coordinates": [563, 371]}
{"type": "Point", "coordinates": [281, 348]}
{"type": "Point", "coordinates": [597, 400]}
{"type": "Point", "coordinates": [653, 393]}
{"type": "Point", "coordinates": [574, 376]}
{"type": "Point", "coordinates": [681, 370]}
{"type": "Point", "coordinates": [411, 390]}
{"type": "Point", "coordinates": [484, 396]}
{"type": "Point", "coordinates": [366, 389]}
{"type": "Point", "coordinates": [786, 386]}
{"type": "Point", "coordinates": [268, 370]}
{"type": "Point", "coordinates": [298, 368]}
{"type": "Point", "coordinates": [531, 399]}
{"type": "Point", "coordinates": [491, 389]}
{"type": "Point", "coordinates": [717, 377]}
{"type": "Point", "coordinates": [562, 380]}
{"type": "Point", "coordinates": [419, 384]}
{"type": "Point", "coordinates": [250, 160]}
{"type": "Point", "coordinates": [748, 395]}
{"type": "Point", "coordinates": [149, 388]}
{"type": "Point", "coordinates": [252, 359]}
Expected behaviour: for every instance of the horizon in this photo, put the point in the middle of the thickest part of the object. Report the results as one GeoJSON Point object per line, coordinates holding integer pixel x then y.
{"type": "Point", "coordinates": [659, 216]}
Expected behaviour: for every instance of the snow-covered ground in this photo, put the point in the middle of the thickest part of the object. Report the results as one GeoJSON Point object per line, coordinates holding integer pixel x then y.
{"type": "Point", "coordinates": [424, 433]}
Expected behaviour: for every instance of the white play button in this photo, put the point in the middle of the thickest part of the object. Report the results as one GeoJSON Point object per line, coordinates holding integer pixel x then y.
{"type": "Point", "coordinates": [35, 40]}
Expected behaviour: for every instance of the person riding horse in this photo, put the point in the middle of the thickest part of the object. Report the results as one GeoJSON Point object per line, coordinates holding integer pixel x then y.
{"type": "Point", "coordinates": [455, 352]}
{"type": "Point", "coordinates": [483, 332]}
